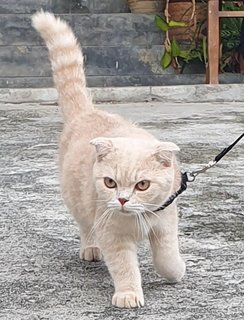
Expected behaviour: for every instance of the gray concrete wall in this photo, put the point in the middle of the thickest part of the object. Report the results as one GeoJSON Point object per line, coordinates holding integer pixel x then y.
{"type": "Point", "coordinates": [121, 48]}
{"type": "Point", "coordinates": [63, 6]}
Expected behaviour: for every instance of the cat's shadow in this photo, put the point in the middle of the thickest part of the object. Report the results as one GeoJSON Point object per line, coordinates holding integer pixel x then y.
{"type": "Point", "coordinates": [90, 272]}
{"type": "Point", "coordinates": [97, 272]}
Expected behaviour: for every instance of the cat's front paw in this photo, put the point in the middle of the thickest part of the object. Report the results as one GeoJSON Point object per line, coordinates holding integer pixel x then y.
{"type": "Point", "coordinates": [91, 254]}
{"type": "Point", "coordinates": [128, 299]}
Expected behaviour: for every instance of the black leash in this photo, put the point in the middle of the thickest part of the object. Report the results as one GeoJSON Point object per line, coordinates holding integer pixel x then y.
{"type": "Point", "coordinates": [191, 176]}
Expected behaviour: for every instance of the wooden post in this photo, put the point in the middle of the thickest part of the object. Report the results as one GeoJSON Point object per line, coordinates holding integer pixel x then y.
{"type": "Point", "coordinates": [212, 76]}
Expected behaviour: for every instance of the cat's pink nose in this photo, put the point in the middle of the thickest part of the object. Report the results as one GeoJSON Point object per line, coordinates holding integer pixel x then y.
{"type": "Point", "coordinates": [122, 200]}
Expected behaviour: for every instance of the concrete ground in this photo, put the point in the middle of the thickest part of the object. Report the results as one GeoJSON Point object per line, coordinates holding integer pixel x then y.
{"type": "Point", "coordinates": [41, 274]}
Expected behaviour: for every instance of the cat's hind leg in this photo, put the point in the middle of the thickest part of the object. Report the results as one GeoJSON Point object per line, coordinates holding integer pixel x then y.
{"type": "Point", "coordinates": [91, 253]}
{"type": "Point", "coordinates": [89, 249]}
{"type": "Point", "coordinates": [165, 247]}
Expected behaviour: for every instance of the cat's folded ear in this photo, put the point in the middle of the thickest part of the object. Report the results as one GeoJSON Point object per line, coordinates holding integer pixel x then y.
{"type": "Point", "coordinates": [103, 146]}
{"type": "Point", "coordinates": [164, 152]}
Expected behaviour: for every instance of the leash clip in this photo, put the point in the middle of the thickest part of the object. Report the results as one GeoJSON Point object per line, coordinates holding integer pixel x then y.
{"type": "Point", "coordinates": [190, 176]}
{"type": "Point", "coordinates": [193, 174]}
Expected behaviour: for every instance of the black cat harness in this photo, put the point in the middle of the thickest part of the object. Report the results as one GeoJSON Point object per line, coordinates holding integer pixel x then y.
{"type": "Point", "coordinates": [190, 176]}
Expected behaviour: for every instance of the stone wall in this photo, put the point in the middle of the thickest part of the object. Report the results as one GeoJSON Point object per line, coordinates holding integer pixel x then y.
{"type": "Point", "coordinates": [120, 48]}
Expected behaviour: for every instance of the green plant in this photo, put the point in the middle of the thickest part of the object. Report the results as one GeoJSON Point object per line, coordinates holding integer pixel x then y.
{"type": "Point", "coordinates": [232, 41]}
{"type": "Point", "coordinates": [176, 54]}
{"type": "Point", "coordinates": [179, 55]}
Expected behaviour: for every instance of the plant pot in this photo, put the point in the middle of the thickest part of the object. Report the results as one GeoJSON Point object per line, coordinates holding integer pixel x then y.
{"type": "Point", "coordinates": [182, 10]}
{"type": "Point", "coordinates": [142, 6]}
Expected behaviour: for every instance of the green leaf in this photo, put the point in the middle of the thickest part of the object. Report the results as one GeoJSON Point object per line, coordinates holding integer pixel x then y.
{"type": "Point", "coordinates": [194, 54]}
{"type": "Point", "coordinates": [166, 60]}
{"type": "Point", "coordinates": [177, 24]}
{"type": "Point", "coordinates": [204, 49]}
{"type": "Point", "coordinates": [175, 49]}
{"type": "Point", "coordinates": [161, 23]}
{"type": "Point", "coordinates": [199, 56]}
{"type": "Point", "coordinates": [184, 54]}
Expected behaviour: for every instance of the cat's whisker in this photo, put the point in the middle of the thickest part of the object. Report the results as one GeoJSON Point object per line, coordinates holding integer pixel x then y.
{"type": "Point", "coordinates": [107, 218]}
{"type": "Point", "coordinates": [153, 213]}
{"type": "Point", "coordinates": [147, 226]}
{"type": "Point", "coordinates": [95, 226]}
{"type": "Point", "coordinates": [103, 218]}
{"type": "Point", "coordinates": [148, 204]}
{"type": "Point", "coordinates": [141, 230]}
{"type": "Point", "coordinates": [136, 208]}
{"type": "Point", "coordinates": [97, 223]}
{"type": "Point", "coordinates": [145, 234]}
{"type": "Point", "coordinates": [153, 231]}
{"type": "Point", "coordinates": [144, 227]}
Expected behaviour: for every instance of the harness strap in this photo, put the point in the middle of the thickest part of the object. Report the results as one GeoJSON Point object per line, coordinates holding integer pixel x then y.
{"type": "Point", "coordinates": [183, 187]}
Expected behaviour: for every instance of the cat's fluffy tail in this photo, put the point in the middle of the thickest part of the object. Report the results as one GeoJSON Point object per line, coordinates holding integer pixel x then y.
{"type": "Point", "coordinates": [67, 63]}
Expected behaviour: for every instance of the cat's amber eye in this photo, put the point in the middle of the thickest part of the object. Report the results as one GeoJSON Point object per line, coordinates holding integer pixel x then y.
{"type": "Point", "coordinates": [110, 183]}
{"type": "Point", "coordinates": [143, 185]}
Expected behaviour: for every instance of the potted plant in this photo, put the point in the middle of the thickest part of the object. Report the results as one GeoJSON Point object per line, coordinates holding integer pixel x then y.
{"type": "Point", "coordinates": [193, 12]}
{"type": "Point", "coordinates": [142, 6]}
{"type": "Point", "coordinates": [182, 22]}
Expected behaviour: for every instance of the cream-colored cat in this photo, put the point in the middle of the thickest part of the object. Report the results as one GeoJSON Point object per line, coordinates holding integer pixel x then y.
{"type": "Point", "coordinates": [113, 175]}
